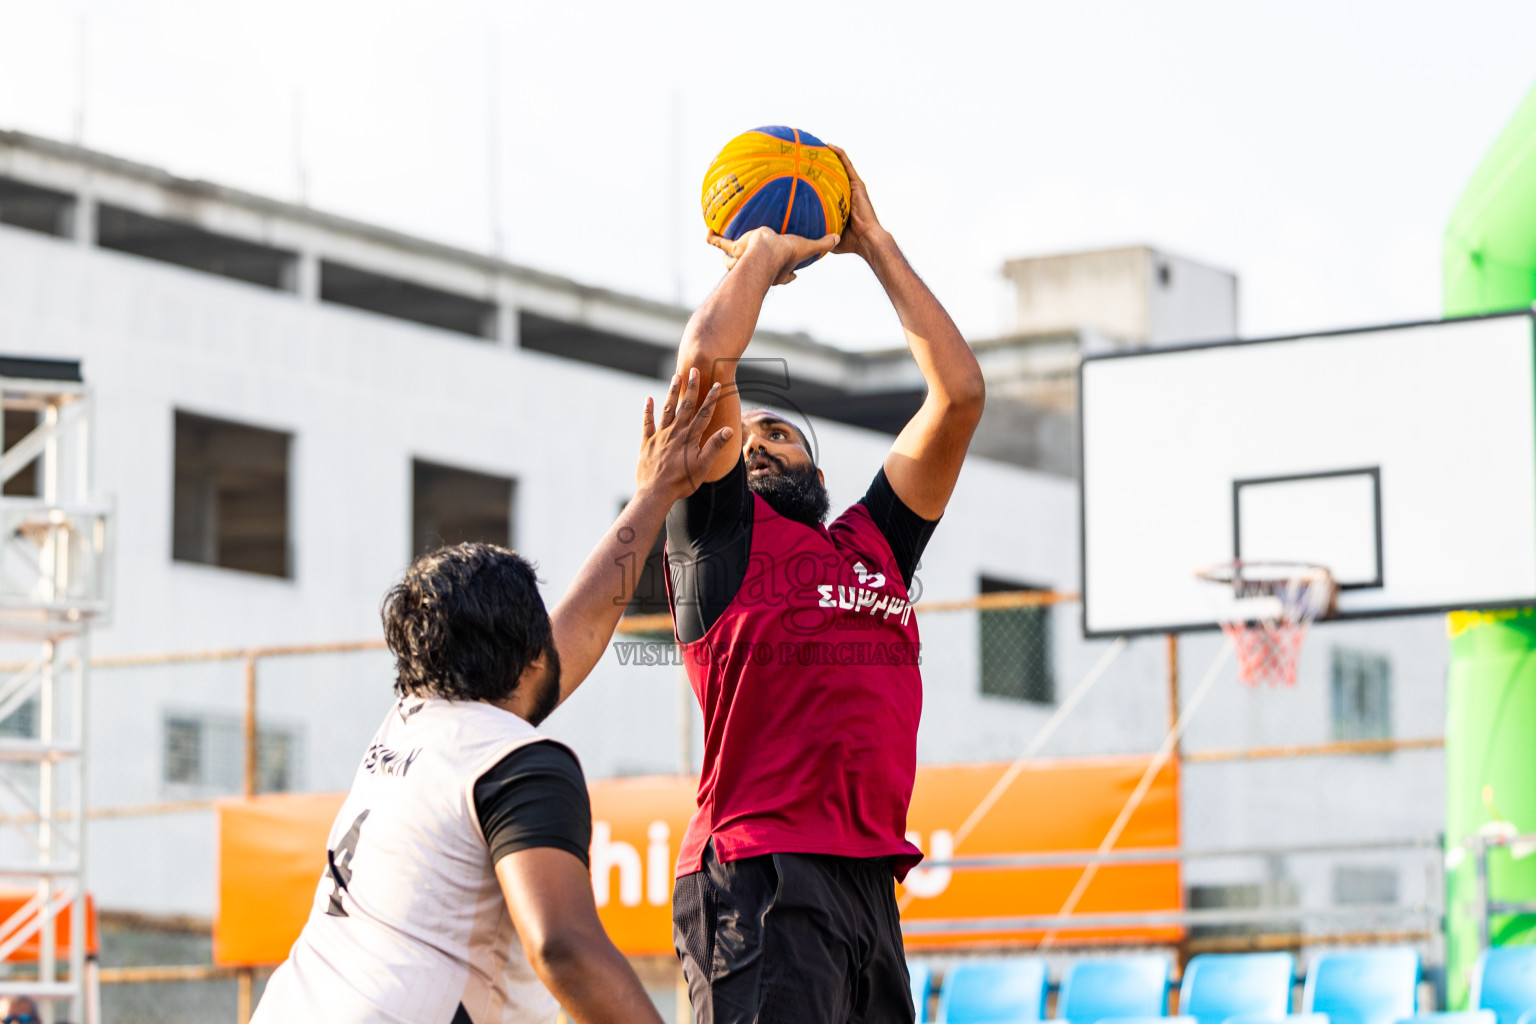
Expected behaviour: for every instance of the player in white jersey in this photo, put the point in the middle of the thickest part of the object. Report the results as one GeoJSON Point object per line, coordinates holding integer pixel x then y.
{"type": "Point", "coordinates": [457, 887]}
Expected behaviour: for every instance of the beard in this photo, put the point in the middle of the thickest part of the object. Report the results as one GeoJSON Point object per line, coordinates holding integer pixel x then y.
{"type": "Point", "coordinates": [546, 693]}
{"type": "Point", "coordinates": [796, 494]}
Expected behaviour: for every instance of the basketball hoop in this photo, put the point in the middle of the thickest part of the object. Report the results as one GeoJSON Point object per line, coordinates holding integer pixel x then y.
{"type": "Point", "coordinates": [1273, 605]}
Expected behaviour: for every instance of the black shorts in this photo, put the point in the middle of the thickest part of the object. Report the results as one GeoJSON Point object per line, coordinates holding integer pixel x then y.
{"type": "Point", "coordinates": [792, 938]}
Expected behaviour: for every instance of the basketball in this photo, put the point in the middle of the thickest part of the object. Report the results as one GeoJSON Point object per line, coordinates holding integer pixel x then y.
{"type": "Point", "coordinates": [778, 177]}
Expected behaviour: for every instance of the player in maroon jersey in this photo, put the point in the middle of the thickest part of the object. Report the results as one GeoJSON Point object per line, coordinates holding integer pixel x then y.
{"type": "Point", "coordinates": [801, 646]}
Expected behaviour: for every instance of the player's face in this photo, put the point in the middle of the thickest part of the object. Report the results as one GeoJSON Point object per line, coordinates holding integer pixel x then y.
{"type": "Point", "coordinates": [780, 469]}
{"type": "Point", "coordinates": [772, 446]}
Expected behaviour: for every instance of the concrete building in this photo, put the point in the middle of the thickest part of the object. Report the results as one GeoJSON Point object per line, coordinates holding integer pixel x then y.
{"type": "Point", "coordinates": [290, 405]}
{"type": "Point", "coordinates": [1069, 305]}
{"type": "Point", "coordinates": [1124, 298]}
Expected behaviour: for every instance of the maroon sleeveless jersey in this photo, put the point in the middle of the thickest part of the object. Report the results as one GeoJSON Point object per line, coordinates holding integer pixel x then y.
{"type": "Point", "coordinates": [811, 694]}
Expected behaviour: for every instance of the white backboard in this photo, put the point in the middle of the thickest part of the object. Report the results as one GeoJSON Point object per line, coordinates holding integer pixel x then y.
{"type": "Point", "coordinates": [1402, 458]}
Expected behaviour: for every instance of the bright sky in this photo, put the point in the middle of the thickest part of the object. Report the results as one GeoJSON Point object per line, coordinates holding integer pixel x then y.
{"type": "Point", "coordinates": [1316, 148]}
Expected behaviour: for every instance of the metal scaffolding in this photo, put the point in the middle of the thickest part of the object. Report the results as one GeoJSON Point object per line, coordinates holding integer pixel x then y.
{"type": "Point", "coordinates": [53, 587]}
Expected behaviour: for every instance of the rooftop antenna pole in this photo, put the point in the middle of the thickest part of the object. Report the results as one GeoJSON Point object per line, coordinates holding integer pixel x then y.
{"type": "Point", "coordinates": [674, 189]}
{"type": "Point", "coordinates": [300, 171]}
{"type": "Point", "coordinates": [82, 72]}
{"type": "Point", "coordinates": [493, 141]}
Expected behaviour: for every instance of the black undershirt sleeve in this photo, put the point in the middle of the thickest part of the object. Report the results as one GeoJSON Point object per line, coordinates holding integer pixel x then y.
{"type": "Point", "coordinates": [709, 540]}
{"type": "Point", "coordinates": [534, 797]}
{"type": "Point", "coordinates": [905, 531]}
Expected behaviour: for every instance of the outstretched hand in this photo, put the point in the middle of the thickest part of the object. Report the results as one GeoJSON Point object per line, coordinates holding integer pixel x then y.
{"type": "Point", "coordinates": [675, 456]}
{"type": "Point", "coordinates": [786, 251]}
{"type": "Point", "coordinates": [863, 229]}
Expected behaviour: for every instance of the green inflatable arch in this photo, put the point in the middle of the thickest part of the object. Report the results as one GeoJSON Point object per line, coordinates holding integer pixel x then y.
{"type": "Point", "coordinates": [1490, 242]}
{"type": "Point", "coordinates": [1490, 729]}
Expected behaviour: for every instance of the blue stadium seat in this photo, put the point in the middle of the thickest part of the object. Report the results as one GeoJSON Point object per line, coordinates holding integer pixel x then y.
{"type": "Point", "coordinates": [1285, 1018]}
{"type": "Point", "coordinates": [1367, 986]}
{"type": "Point", "coordinates": [1221, 985]}
{"type": "Point", "coordinates": [993, 992]}
{"type": "Point", "coordinates": [1504, 981]}
{"type": "Point", "coordinates": [1128, 986]}
{"type": "Point", "coordinates": [922, 987]}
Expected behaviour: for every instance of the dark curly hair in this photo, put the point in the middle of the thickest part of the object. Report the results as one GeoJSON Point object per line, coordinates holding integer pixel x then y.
{"type": "Point", "coordinates": [464, 622]}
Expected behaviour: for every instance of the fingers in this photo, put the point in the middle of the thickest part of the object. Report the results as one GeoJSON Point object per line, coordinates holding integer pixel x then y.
{"type": "Point", "coordinates": [804, 249]}
{"type": "Point", "coordinates": [824, 244]}
{"type": "Point", "coordinates": [732, 247]}
{"type": "Point", "coordinates": [842, 155]}
{"type": "Point", "coordinates": [801, 249]}
{"type": "Point", "coordinates": [715, 444]}
{"type": "Point", "coordinates": [705, 414]}
{"type": "Point", "coordinates": [648, 421]}
{"type": "Point", "coordinates": [690, 399]}
{"type": "Point", "coordinates": [669, 407]}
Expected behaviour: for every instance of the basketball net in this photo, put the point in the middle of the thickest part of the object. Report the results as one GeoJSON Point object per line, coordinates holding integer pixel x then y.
{"type": "Point", "coordinates": [1273, 605]}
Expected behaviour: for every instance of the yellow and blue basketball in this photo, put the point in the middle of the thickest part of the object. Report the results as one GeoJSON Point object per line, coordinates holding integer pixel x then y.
{"type": "Point", "coordinates": [780, 178]}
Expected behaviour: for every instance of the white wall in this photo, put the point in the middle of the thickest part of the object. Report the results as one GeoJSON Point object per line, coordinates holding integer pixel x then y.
{"type": "Point", "coordinates": [1198, 302]}
{"type": "Point", "coordinates": [362, 395]}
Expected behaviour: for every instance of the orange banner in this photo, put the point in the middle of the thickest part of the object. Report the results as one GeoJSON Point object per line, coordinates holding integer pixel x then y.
{"type": "Point", "coordinates": [272, 851]}
{"type": "Point", "coordinates": [1053, 806]}
{"type": "Point", "coordinates": [1066, 805]}
{"type": "Point", "coordinates": [271, 855]}
{"type": "Point", "coordinates": [12, 900]}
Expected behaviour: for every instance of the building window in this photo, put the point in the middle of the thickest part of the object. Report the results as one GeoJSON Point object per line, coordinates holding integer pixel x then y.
{"type": "Point", "coordinates": [184, 751]}
{"type": "Point", "coordinates": [25, 484]}
{"type": "Point", "coordinates": [231, 500]}
{"type": "Point", "coordinates": [1276, 892]}
{"type": "Point", "coordinates": [1364, 885]}
{"type": "Point", "coordinates": [171, 241]}
{"type": "Point", "coordinates": [1362, 695]}
{"type": "Point", "coordinates": [451, 506]}
{"type": "Point", "coordinates": [36, 209]}
{"type": "Point", "coordinates": [277, 757]}
{"type": "Point", "coordinates": [21, 724]}
{"type": "Point", "coordinates": [406, 300]}
{"type": "Point", "coordinates": [600, 348]}
{"type": "Point", "coordinates": [1016, 658]}
{"type": "Point", "coordinates": [205, 754]}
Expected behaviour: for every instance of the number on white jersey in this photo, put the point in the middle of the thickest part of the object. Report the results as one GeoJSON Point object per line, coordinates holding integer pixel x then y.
{"type": "Point", "coordinates": [339, 865]}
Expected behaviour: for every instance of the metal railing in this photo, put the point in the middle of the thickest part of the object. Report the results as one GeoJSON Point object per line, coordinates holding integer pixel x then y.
{"type": "Point", "coordinates": [1429, 914]}
{"type": "Point", "coordinates": [1263, 927]}
{"type": "Point", "coordinates": [1484, 907]}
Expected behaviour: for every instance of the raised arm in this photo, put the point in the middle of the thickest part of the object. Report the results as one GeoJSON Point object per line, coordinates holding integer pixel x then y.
{"type": "Point", "coordinates": [719, 330]}
{"type": "Point", "coordinates": [671, 454]}
{"type": "Point", "coordinates": [924, 462]}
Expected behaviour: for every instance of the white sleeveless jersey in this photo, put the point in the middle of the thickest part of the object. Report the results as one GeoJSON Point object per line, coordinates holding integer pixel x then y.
{"type": "Point", "coordinates": [409, 922]}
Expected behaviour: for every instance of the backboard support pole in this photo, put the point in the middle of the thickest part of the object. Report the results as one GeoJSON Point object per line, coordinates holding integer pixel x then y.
{"type": "Point", "coordinates": [1181, 951]}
